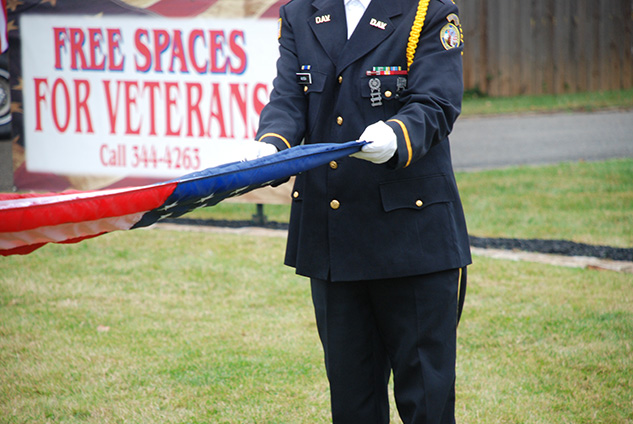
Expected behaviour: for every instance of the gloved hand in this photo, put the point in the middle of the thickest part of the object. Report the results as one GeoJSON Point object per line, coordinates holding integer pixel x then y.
{"type": "Point", "coordinates": [252, 149]}
{"type": "Point", "coordinates": [382, 146]}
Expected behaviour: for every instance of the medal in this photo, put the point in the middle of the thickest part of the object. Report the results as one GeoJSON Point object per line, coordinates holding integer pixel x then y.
{"type": "Point", "coordinates": [375, 95]}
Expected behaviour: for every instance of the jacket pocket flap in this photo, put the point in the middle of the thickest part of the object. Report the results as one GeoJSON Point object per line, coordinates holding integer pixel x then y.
{"type": "Point", "coordinates": [317, 82]}
{"type": "Point", "coordinates": [416, 193]}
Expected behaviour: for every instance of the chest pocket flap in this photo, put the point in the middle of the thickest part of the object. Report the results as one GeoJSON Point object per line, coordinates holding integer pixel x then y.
{"type": "Point", "coordinates": [416, 193]}
{"type": "Point", "coordinates": [317, 82]}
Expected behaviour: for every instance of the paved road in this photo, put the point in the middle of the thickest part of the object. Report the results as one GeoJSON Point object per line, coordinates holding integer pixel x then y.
{"type": "Point", "coordinates": [535, 139]}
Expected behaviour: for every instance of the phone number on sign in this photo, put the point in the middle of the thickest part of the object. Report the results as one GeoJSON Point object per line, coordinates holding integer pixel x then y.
{"type": "Point", "coordinates": [150, 157]}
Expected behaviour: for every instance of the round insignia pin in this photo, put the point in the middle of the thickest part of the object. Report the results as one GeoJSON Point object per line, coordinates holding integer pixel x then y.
{"type": "Point", "coordinates": [450, 37]}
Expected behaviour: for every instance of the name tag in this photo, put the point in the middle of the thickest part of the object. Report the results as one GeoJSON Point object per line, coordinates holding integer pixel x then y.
{"type": "Point", "coordinates": [304, 78]}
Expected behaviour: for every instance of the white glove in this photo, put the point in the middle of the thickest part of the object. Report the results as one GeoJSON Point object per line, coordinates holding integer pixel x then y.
{"type": "Point", "coordinates": [251, 149]}
{"type": "Point", "coordinates": [383, 143]}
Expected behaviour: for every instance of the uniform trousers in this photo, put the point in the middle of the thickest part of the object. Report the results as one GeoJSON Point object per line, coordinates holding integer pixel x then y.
{"type": "Point", "coordinates": [370, 328]}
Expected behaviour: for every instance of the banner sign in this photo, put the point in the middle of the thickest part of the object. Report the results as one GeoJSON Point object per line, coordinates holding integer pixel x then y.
{"type": "Point", "coordinates": [141, 96]}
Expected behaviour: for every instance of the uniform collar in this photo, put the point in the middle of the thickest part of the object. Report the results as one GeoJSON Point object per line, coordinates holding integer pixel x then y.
{"type": "Point", "coordinates": [329, 27]}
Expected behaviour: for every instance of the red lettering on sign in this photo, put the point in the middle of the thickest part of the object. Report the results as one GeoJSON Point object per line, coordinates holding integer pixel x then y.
{"type": "Point", "coordinates": [143, 50]}
{"type": "Point", "coordinates": [194, 36]}
{"type": "Point", "coordinates": [61, 127]}
{"type": "Point", "coordinates": [77, 39]}
{"type": "Point", "coordinates": [217, 53]}
{"type": "Point", "coordinates": [238, 98]}
{"type": "Point", "coordinates": [236, 43]}
{"type": "Point", "coordinates": [130, 100]}
{"type": "Point", "coordinates": [85, 49]}
{"type": "Point", "coordinates": [178, 53]}
{"type": "Point", "coordinates": [171, 103]}
{"type": "Point", "coordinates": [114, 49]}
{"type": "Point", "coordinates": [95, 37]}
{"type": "Point", "coordinates": [152, 87]}
{"type": "Point", "coordinates": [60, 36]}
{"type": "Point", "coordinates": [81, 103]}
{"type": "Point", "coordinates": [193, 107]}
{"type": "Point", "coordinates": [161, 43]}
{"type": "Point", "coordinates": [39, 98]}
{"type": "Point", "coordinates": [217, 111]}
{"type": "Point", "coordinates": [113, 107]}
{"type": "Point", "coordinates": [149, 108]}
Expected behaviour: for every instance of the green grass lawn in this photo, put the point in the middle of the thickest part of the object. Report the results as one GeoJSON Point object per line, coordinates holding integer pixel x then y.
{"type": "Point", "coordinates": [587, 202]}
{"type": "Point", "coordinates": [577, 102]}
{"type": "Point", "coordinates": [158, 326]}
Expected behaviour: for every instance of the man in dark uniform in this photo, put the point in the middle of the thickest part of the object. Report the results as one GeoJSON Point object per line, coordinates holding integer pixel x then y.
{"type": "Point", "coordinates": [382, 234]}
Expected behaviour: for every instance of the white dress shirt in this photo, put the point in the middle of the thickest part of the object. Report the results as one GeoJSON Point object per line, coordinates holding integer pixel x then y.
{"type": "Point", "coordinates": [354, 10]}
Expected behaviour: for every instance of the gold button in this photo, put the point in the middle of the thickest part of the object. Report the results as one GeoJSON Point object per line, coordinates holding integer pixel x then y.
{"type": "Point", "coordinates": [387, 94]}
{"type": "Point", "coordinates": [295, 194]}
{"type": "Point", "coordinates": [339, 120]}
{"type": "Point", "coordinates": [419, 203]}
{"type": "Point", "coordinates": [335, 204]}
{"type": "Point", "coordinates": [340, 79]}
{"type": "Point", "coordinates": [305, 88]}
{"type": "Point", "coordinates": [333, 164]}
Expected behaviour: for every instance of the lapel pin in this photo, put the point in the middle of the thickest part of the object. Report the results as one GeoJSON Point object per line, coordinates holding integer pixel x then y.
{"type": "Point", "coordinates": [378, 24]}
{"type": "Point", "coordinates": [322, 19]}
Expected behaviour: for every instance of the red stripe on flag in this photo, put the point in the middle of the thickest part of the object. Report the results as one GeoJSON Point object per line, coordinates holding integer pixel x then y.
{"type": "Point", "coordinates": [25, 214]}
{"type": "Point", "coordinates": [181, 8]}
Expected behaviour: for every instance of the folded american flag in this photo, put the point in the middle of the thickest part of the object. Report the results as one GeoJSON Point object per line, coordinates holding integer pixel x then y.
{"type": "Point", "coordinates": [29, 221]}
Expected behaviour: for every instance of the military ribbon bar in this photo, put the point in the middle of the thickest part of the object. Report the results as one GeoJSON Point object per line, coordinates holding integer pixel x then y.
{"type": "Point", "coordinates": [386, 70]}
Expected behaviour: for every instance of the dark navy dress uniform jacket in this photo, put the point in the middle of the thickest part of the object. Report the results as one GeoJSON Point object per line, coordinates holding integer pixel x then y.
{"type": "Point", "coordinates": [352, 219]}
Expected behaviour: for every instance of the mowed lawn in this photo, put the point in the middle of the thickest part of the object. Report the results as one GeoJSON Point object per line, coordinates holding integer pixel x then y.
{"type": "Point", "coordinates": [165, 326]}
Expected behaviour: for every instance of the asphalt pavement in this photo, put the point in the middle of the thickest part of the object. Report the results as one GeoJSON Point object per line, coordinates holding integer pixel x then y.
{"type": "Point", "coordinates": [535, 139]}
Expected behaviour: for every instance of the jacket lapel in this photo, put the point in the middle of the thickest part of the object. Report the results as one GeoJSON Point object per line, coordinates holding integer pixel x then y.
{"type": "Point", "coordinates": [375, 26]}
{"type": "Point", "coordinates": [329, 26]}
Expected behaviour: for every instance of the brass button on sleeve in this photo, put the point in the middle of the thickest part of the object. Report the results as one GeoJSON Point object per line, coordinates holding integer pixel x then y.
{"type": "Point", "coordinates": [335, 204]}
{"type": "Point", "coordinates": [419, 203]}
{"type": "Point", "coordinates": [334, 164]}
{"type": "Point", "coordinates": [339, 120]}
{"type": "Point", "coordinates": [295, 194]}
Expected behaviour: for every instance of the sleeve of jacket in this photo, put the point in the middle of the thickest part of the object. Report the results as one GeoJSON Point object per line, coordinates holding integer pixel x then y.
{"type": "Point", "coordinates": [432, 100]}
{"type": "Point", "coordinates": [282, 121]}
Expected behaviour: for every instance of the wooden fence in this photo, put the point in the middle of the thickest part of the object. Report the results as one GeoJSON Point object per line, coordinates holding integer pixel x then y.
{"type": "Point", "coordinates": [515, 47]}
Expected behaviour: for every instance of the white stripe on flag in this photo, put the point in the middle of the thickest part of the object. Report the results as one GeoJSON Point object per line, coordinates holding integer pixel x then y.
{"type": "Point", "coordinates": [63, 232]}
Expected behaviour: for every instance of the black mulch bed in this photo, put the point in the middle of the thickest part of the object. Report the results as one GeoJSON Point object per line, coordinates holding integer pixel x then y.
{"type": "Point", "coordinates": [229, 224]}
{"type": "Point", "coordinates": [559, 247]}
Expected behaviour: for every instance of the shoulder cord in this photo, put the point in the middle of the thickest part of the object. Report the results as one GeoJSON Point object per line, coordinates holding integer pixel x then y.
{"type": "Point", "coordinates": [416, 29]}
